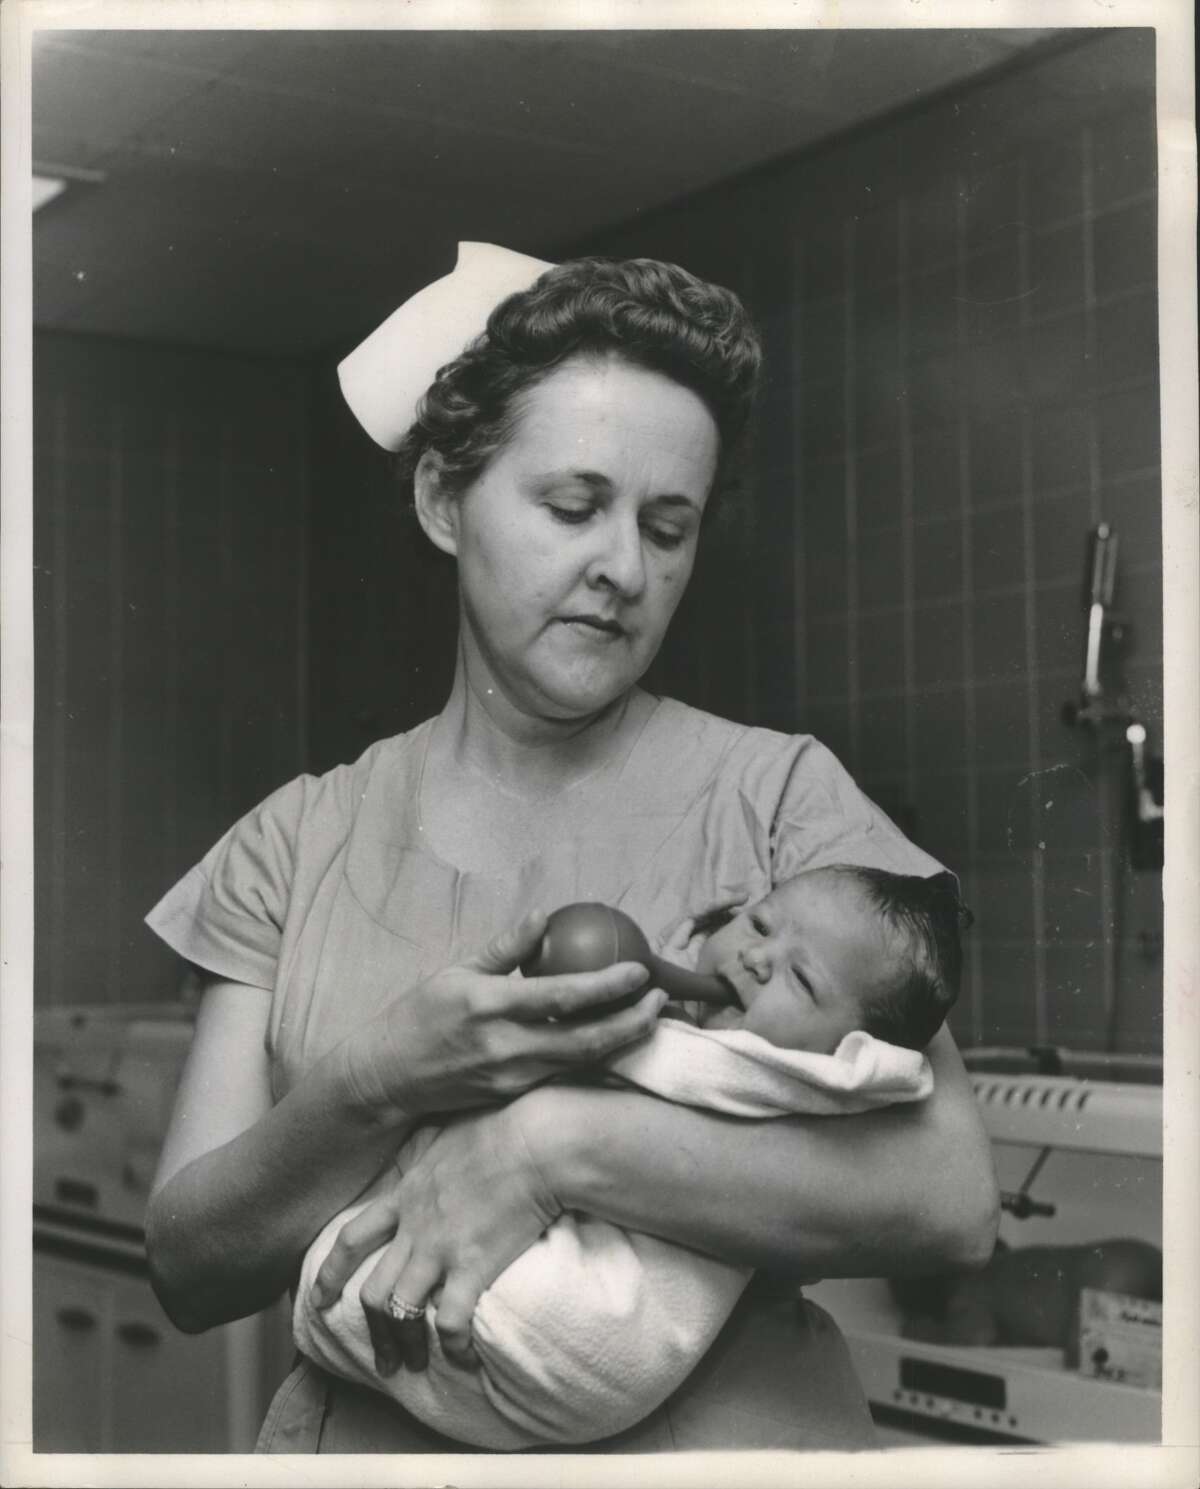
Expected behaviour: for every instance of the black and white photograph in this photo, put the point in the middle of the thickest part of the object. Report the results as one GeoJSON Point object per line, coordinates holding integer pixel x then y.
{"type": "Point", "coordinates": [590, 865]}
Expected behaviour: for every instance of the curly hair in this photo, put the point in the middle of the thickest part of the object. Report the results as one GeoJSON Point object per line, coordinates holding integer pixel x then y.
{"type": "Point", "coordinates": [654, 315]}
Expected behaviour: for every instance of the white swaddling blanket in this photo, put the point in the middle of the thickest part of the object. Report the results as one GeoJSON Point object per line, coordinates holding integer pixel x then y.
{"type": "Point", "coordinates": [594, 1326]}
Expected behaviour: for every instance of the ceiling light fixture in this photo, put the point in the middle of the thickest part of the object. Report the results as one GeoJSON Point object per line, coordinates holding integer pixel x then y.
{"type": "Point", "coordinates": [46, 188]}
{"type": "Point", "coordinates": [50, 181]}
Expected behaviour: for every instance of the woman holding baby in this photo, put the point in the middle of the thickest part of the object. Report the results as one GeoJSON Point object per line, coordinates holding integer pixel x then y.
{"type": "Point", "coordinates": [563, 431]}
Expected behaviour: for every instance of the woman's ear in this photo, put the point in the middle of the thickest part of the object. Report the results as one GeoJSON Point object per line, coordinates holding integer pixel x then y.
{"type": "Point", "coordinates": [437, 506]}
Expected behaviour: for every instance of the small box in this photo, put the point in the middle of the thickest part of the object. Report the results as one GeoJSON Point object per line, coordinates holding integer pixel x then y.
{"type": "Point", "coordinates": [1120, 1338]}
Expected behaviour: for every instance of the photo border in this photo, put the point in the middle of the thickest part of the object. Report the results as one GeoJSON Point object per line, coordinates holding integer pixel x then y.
{"type": "Point", "coordinates": [1176, 1462]}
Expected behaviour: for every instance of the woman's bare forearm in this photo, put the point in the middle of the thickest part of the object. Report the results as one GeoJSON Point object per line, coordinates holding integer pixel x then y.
{"type": "Point", "coordinates": [901, 1190]}
{"type": "Point", "coordinates": [226, 1233]}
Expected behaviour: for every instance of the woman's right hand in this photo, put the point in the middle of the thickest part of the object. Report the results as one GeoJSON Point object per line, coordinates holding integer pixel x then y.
{"type": "Point", "coordinates": [475, 1035]}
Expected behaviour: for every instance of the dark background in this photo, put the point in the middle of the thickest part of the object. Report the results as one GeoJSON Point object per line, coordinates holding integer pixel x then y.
{"type": "Point", "coordinates": [958, 296]}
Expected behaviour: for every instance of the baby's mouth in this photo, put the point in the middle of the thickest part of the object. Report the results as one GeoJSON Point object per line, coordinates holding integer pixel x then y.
{"type": "Point", "coordinates": [735, 997]}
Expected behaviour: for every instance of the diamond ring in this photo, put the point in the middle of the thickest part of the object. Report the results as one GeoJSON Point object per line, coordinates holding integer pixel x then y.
{"type": "Point", "coordinates": [404, 1312]}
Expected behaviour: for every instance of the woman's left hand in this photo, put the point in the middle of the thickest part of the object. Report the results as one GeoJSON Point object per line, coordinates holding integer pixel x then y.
{"type": "Point", "coordinates": [472, 1203]}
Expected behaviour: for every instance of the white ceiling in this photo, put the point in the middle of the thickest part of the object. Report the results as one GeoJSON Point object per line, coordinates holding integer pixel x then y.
{"type": "Point", "coordinates": [279, 191]}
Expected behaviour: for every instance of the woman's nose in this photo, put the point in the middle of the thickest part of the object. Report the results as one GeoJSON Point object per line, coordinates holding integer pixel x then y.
{"type": "Point", "coordinates": [620, 564]}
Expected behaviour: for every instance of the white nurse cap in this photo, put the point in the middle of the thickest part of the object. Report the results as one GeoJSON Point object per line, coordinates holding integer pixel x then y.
{"type": "Point", "coordinates": [384, 377]}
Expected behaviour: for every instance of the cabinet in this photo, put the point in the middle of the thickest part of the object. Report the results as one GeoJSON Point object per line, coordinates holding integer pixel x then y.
{"type": "Point", "coordinates": [168, 1388]}
{"type": "Point", "coordinates": [70, 1319]}
{"type": "Point", "coordinates": [112, 1375]}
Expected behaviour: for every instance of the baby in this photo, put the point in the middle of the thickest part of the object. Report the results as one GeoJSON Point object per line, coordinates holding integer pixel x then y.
{"type": "Point", "coordinates": [840, 978]}
{"type": "Point", "coordinates": [834, 950]}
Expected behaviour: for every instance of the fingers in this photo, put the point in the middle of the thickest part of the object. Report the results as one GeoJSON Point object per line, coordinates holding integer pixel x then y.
{"type": "Point", "coordinates": [374, 1296]}
{"type": "Point", "coordinates": [563, 1046]}
{"type": "Point", "coordinates": [407, 1279]}
{"type": "Point", "coordinates": [455, 1309]}
{"type": "Point", "coordinates": [413, 1286]}
{"type": "Point", "coordinates": [399, 1341]}
{"type": "Point", "coordinates": [356, 1240]}
{"type": "Point", "coordinates": [505, 952]}
{"type": "Point", "coordinates": [681, 935]}
{"type": "Point", "coordinates": [573, 995]}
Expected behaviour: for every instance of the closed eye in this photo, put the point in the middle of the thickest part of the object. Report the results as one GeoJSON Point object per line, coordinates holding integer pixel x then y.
{"type": "Point", "coordinates": [573, 516]}
{"type": "Point", "coordinates": [664, 537]}
{"type": "Point", "coordinates": [803, 981]}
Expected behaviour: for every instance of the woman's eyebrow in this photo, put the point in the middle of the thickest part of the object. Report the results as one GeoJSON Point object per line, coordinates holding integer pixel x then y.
{"type": "Point", "coordinates": [675, 499]}
{"type": "Point", "coordinates": [597, 480]}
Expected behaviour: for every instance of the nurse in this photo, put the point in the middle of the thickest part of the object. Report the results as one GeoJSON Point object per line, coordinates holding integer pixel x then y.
{"type": "Point", "coordinates": [563, 431]}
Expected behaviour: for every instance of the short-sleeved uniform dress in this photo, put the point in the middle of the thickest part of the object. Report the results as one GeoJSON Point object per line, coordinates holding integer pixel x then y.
{"type": "Point", "coordinates": [329, 895]}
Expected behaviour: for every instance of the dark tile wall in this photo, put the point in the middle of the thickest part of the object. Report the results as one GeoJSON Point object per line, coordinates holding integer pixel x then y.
{"type": "Point", "coordinates": [383, 604]}
{"type": "Point", "coordinates": [960, 313]}
{"type": "Point", "coordinates": [170, 618]}
{"type": "Point", "coordinates": [960, 317]}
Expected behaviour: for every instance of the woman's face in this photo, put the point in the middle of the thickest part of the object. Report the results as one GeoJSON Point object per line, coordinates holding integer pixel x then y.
{"type": "Point", "coordinates": [575, 544]}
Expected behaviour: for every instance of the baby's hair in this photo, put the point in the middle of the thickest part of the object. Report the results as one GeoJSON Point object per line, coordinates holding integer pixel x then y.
{"type": "Point", "coordinates": [926, 915]}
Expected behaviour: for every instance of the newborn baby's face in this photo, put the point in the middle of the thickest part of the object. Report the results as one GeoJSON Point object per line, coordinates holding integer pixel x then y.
{"type": "Point", "coordinates": [802, 961]}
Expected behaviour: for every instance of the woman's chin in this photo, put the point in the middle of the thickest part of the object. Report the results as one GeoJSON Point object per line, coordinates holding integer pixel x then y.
{"type": "Point", "coordinates": [583, 698]}
{"type": "Point", "coordinates": [552, 697]}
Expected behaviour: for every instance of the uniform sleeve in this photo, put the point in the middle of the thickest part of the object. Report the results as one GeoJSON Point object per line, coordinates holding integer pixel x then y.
{"type": "Point", "coordinates": [227, 913]}
{"type": "Point", "coordinates": [823, 818]}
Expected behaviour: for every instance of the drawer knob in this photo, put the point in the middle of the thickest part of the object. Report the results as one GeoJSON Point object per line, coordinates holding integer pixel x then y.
{"type": "Point", "coordinates": [140, 1335]}
{"type": "Point", "coordinates": [78, 1320]}
{"type": "Point", "coordinates": [69, 1113]}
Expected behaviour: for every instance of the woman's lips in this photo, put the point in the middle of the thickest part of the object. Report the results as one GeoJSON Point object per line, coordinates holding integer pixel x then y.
{"type": "Point", "coordinates": [595, 624]}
